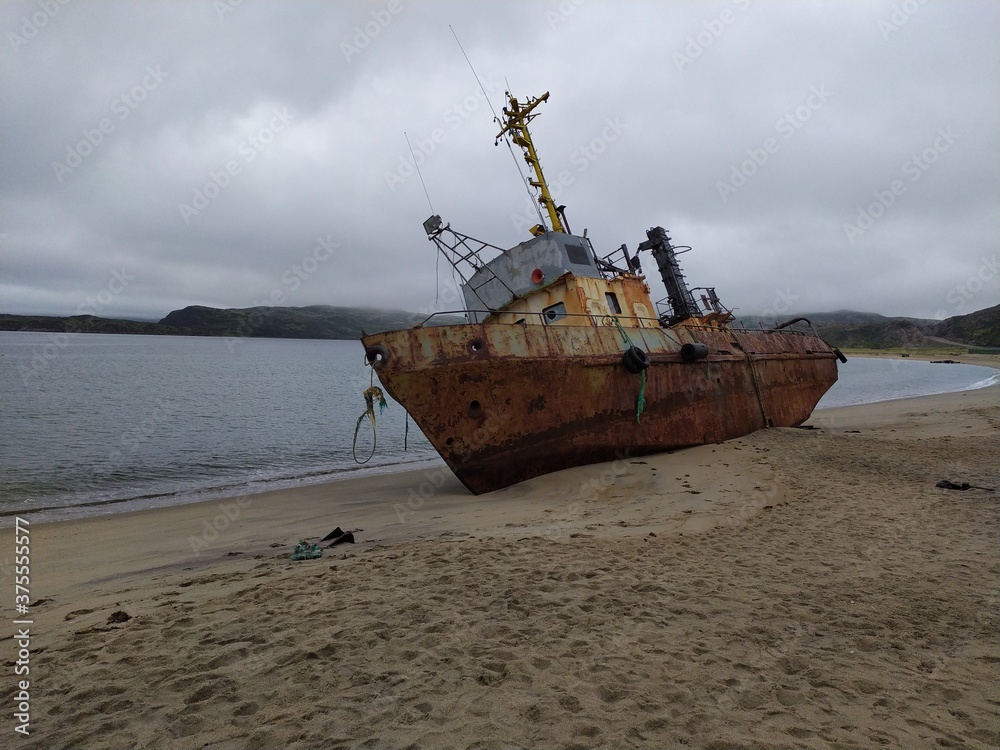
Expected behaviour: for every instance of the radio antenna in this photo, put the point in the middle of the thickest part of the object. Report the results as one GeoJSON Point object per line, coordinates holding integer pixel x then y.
{"type": "Point", "coordinates": [414, 157]}
{"type": "Point", "coordinates": [524, 180]}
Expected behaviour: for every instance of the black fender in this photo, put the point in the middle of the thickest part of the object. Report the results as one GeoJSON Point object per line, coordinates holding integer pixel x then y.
{"type": "Point", "coordinates": [635, 360]}
{"type": "Point", "coordinates": [694, 352]}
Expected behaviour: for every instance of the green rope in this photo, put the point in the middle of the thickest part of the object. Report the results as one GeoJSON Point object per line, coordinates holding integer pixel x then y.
{"type": "Point", "coordinates": [370, 395]}
{"type": "Point", "coordinates": [640, 403]}
{"type": "Point", "coordinates": [622, 332]}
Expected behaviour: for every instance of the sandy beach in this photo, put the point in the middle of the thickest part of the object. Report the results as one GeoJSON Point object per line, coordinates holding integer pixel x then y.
{"type": "Point", "coordinates": [794, 588]}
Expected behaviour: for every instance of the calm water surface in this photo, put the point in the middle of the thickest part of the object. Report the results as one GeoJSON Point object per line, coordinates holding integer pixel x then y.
{"type": "Point", "coordinates": [98, 423]}
{"type": "Point", "coordinates": [100, 419]}
{"type": "Point", "coordinates": [865, 380]}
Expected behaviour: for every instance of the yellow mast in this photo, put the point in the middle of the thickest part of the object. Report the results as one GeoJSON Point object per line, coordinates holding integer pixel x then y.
{"type": "Point", "coordinates": [518, 116]}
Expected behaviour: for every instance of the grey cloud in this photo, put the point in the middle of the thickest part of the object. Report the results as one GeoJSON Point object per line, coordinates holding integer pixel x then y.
{"type": "Point", "coordinates": [698, 90]}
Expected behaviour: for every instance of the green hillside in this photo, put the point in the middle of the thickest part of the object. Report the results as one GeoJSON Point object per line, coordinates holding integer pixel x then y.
{"type": "Point", "coordinates": [981, 328]}
{"type": "Point", "coordinates": [82, 324]}
{"type": "Point", "coordinates": [315, 322]}
{"type": "Point", "coordinates": [843, 328]}
{"type": "Point", "coordinates": [861, 330]}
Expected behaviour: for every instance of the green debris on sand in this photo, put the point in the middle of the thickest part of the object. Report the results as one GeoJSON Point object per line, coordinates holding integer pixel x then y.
{"type": "Point", "coordinates": [306, 551]}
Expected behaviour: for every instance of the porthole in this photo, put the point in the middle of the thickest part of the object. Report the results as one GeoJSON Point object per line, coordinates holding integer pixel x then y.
{"type": "Point", "coordinates": [555, 312]}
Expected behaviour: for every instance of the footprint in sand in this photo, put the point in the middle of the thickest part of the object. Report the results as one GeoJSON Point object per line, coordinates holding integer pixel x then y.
{"type": "Point", "coordinates": [570, 703]}
{"type": "Point", "coordinates": [246, 709]}
{"type": "Point", "coordinates": [77, 613]}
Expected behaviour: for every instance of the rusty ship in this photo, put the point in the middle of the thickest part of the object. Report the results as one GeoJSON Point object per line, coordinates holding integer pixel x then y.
{"type": "Point", "coordinates": [564, 359]}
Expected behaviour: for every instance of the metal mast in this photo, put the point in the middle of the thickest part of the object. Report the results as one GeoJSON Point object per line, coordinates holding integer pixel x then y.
{"type": "Point", "coordinates": [518, 115]}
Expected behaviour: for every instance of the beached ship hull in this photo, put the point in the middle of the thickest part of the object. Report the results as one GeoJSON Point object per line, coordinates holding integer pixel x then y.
{"type": "Point", "coordinates": [564, 362]}
{"type": "Point", "coordinates": [505, 403]}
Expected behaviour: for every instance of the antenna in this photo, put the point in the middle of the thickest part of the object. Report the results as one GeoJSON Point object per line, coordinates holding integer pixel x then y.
{"type": "Point", "coordinates": [481, 87]}
{"type": "Point", "coordinates": [524, 180]}
{"type": "Point", "coordinates": [437, 275]}
{"type": "Point", "coordinates": [414, 157]}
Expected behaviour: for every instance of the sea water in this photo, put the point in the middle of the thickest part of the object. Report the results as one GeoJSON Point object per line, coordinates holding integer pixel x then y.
{"type": "Point", "coordinates": [865, 380]}
{"type": "Point", "coordinates": [96, 423]}
{"type": "Point", "coordinates": [119, 422]}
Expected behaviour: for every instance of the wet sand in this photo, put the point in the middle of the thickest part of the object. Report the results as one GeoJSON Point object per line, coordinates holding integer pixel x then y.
{"type": "Point", "coordinates": [794, 588]}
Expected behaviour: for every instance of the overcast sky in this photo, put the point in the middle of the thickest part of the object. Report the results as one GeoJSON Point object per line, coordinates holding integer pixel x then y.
{"type": "Point", "coordinates": [815, 155]}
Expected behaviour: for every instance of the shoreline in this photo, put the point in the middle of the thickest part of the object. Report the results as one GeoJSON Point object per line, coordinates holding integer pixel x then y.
{"type": "Point", "coordinates": [978, 360]}
{"type": "Point", "coordinates": [120, 506]}
{"type": "Point", "coordinates": [213, 494]}
{"type": "Point", "coordinates": [406, 490]}
{"type": "Point", "coordinates": [983, 360]}
{"type": "Point", "coordinates": [788, 585]}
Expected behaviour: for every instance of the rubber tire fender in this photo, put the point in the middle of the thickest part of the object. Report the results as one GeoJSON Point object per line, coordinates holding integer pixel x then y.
{"type": "Point", "coordinates": [635, 360]}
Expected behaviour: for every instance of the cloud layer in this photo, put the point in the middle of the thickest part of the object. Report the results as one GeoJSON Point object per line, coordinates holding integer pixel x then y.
{"type": "Point", "coordinates": [816, 156]}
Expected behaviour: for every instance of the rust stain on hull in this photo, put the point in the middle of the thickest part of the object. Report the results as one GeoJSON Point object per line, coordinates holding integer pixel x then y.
{"type": "Point", "coordinates": [504, 403]}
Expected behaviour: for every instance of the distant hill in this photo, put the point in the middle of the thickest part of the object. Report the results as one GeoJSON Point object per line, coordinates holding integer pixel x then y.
{"type": "Point", "coordinates": [892, 333]}
{"type": "Point", "coordinates": [315, 322]}
{"type": "Point", "coordinates": [981, 328]}
{"type": "Point", "coordinates": [844, 328]}
{"type": "Point", "coordinates": [837, 317]}
{"type": "Point", "coordinates": [860, 330]}
{"type": "Point", "coordinates": [82, 324]}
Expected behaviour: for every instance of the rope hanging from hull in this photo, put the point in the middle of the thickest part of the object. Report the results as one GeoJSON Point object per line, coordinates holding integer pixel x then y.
{"type": "Point", "coordinates": [370, 394]}
{"type": "Point", "coordinates": [640, 404]}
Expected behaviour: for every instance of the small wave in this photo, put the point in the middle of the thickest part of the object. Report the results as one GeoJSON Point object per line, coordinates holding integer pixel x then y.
{"type": "Point", "coordinates": [884, 390]}
{"type": "Point", "coordinates": [207, 493]}
{"type": "Point", "coordinates": [994, 379]}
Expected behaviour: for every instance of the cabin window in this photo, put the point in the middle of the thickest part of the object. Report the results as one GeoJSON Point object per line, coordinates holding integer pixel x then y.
{"type": "Point", "coordinates": [577, 255]}
{"type": "Point", "coordinates": [613, 305]}
{"type": "Point", "coordinates": [555, 312]}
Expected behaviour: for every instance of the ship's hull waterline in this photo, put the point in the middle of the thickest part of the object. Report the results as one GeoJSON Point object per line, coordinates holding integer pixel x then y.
{"type": "Point", "coordinates": [505, 403]}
